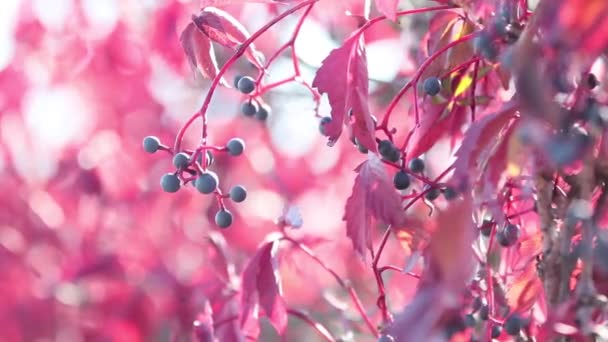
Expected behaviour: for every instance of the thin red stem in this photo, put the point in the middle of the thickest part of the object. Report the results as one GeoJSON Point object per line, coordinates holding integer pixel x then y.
{"type": "Point", "coordinates": [215, 82]}
{"type": "Point", "coordinates": [318, 327]}
{"type": "Point", "coordinates": [381, 301]}
{"type": "Point", "coordinates": [344, 284]}
{"type": "Point", "coordinates": [419, 72]}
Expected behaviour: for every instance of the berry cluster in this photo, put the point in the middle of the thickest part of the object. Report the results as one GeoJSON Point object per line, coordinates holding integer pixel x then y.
{"type": "Point", "coordinates": [252, 107]}
{"type": "Point", "coordinates": [402, 181]}
{"type": "Point", "coordinates": [480, 311]}
{"type": "Point", "coordinates": [507, 237]}
{"type": "Point", "coordinates": [191, 168]}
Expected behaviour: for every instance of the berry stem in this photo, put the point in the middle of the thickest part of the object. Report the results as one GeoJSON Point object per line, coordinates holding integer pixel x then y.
{"type": "Point", "coordinates": [381, 302]}
{"type": "Point", "coordinates": [375, 20]}
{"type": "Point", "coordinates": [397, 269]}
{"type": "Point", "coordinates": [318, 327]}
{"type": "Point", "coordinates": [343, 283]}
{"type": "Point", "coordinates": [202, 112]}
{"type": "Point", "coordinates": [473, 104]}
{"type": "Point", "coordinates": [419, 72]}
{"type": "Point", "coordinates": [489, 281]}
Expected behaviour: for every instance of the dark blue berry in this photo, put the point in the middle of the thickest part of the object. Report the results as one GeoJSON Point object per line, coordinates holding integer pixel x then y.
{"type": "Point", "coordinates": [386, 338]}
{"type": "Point", "coordinates": [469, 320]}
{"type": "Point", "coordinates": [388, 151]}
{"type": "Point", "coordinates": [509, 235]}
{"type": "Point", "coordinates": [401, 180]}
{"type": "Point", "coordinates": [484, 312]}
{"type": "Point", "coordinates": [513, 325]}
{"type": "Point", "coordinates": [496, 331]}
{"type": "Point", "coordinates": [237, 78]}
{"type": "Point", "coordinates": [246, 84]}
{"type": "Point", "coordinates": [151, 144]}
{"type": "Point", "coordinates": [393, 156]}
{"type": "Point", "coordinates": [207, 182]}
{"type": "Point", "coordinates": [181, 160]}
{"type": "Point", "coordinates": [485, 46]}
{"type": "Point", "coordinates": [449, 193]}
{"type": "Point", "coordinates": [223, 218]}
{"type": "Point", "coordinates": [477, 304]}
{"type": "Point", "coordinates": [209, 158]}
{"type": "Point", "coordinates": [235, 146]}
{"type": "Point", "coordinates": [432, 194]}
{"type": "Point", "coordinates": [238, 193]}
{"type": "Point", "coordinates": [416, 165]}
{"type": "Point", "coordinates": [360, 147]}
{"type": "Point", "coordinates": [592, 81]}
{"type": "Point", "coordinates": [249, 108]}
{"type": "Point", "coordinates": [169, 182]}
{"type": "Point", "coordinates": [323, 125]}
{"type": "Point", "coordinates": [263, 113]}
{"type": "Point", "coordinates": [432, 86]}
{"type": "Point", "coordinates": [385, 146]}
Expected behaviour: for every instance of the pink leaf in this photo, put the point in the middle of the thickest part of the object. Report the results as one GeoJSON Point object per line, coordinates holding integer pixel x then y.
{"type": "Point", "coordinates": [343, 76]}
{"type": "Point", "coordinates": [200, 52]}
{"type": "Point", "coordinates": [225, 30]}
{"type": "Point", "coordinates": [388, 8]}
{"type": "Point", "coordinates": [373, 196]}
{"type": "Point", "coordinates": [478, 137]}
{"type": "Point", "coordinates": [450, 248]}
{"type": "Point", "coordinates": [261, 286]}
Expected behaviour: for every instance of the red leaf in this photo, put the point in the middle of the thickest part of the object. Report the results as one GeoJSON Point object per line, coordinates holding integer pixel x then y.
{"type": "Point", "coordinates": [373, 196]}
{"type": "Point", "coordinates": [479, 137]}
{"type": "Point", "coordinates": [435, 123]}
{"type": "Point", "coordinates": [200, 52]}
{"type": "Point", "coordinates": [388, 8]}
{"type": "Point", "coordinates": [343, 76]}
{"type": "Point", "coordinates": [225, 30]}
{"type": "Point", "coordinates": [261, 286]}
